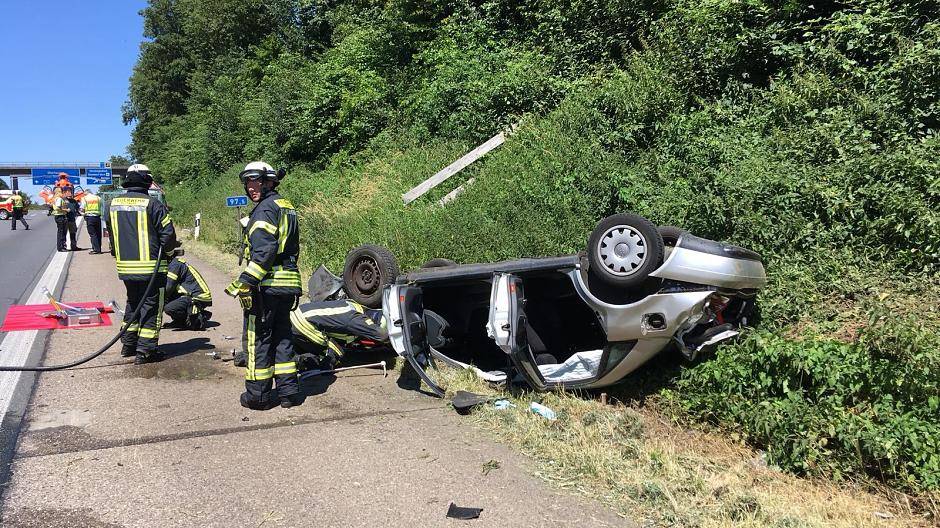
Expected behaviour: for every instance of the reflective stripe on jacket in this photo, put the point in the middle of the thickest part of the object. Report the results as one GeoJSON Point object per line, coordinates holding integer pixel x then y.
{"type": "Point", "coordinates": [17, 201]}
{"type": "Point", "coordinates": [140, 226]}
{"type": "Point", "coordinates": [272, 247]}
{"type": "Point", "coordinates": [91, 204]}
{"type": "Point", "coordinates": [184, 279]}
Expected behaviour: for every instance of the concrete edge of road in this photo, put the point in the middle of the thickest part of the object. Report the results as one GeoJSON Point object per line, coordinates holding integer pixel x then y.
{"type": "Point", "coordinates": [17, 391]}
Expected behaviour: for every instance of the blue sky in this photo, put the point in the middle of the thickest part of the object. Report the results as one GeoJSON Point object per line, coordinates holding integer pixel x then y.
{"type": "Point", "coordinates": [65, 69]}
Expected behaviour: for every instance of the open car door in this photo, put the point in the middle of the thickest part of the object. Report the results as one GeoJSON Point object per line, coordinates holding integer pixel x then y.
{"type": "Point", "coordinates": [507, 326]}
{"type": "Point", "coordinates": [405, 309]}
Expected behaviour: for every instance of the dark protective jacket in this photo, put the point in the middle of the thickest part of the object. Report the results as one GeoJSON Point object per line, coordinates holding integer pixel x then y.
{"type": "Point", "coordinates": [272, 247]}
{"type": "Point", "coordinates": [344, 320]}
{"type": "Point", "coordinates": [183, 279]}
{"type": "Point", "coordinates": [140, 225]}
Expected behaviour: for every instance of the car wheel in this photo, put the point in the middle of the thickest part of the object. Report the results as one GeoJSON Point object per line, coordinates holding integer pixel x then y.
{"type": "Point", "coordinates": [624, 249]}
{"type": "Point", "coordinates": [671, 235]}
{"type": "Point", "coordinates": [4, 215]}
{"type": "Point", "coordinates": [438, 263]}
{"type": "Point", "coordinates": [368, 270]}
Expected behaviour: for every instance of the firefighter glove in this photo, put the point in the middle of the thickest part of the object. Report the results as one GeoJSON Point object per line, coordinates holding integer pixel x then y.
{"type": "Point", "coordinates": [242, 292]}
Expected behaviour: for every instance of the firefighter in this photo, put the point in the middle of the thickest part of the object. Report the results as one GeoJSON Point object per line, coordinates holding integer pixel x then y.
{"type": "Point", "coordinates": [60, 210]}
{"type": "Point", "coordinates": [18, 209]}
{"type": "Point", "coordinates": [141, 226]}
{"type": "Point", "coordinates": [90, 207]}
{"type": "Point", "coordinates": [188, 296]}
{"type": "Point", "coordinates": [268, 290]}
{"type": "Point", "coordinates": [322, 328]}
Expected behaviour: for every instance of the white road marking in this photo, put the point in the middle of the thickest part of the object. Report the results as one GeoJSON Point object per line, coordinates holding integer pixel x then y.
{"type": "Point", "coordinates": [15, 348]}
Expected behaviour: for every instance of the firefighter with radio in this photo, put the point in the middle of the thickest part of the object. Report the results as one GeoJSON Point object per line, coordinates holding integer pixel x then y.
{"type": "Point", "coordinates": [268, 290]}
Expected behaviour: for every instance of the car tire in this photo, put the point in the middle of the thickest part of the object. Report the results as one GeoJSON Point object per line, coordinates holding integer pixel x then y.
{"type": "Point", "coordinates": [624, 249]}
{"type": "Point", "coordinates": [438, 263]}
{"type": "Point", "coordinates": [671, 235]}
{"type": "Point", "coordinates": [368, 270]}
{"type": "Point", "coordinates": [4, 215]}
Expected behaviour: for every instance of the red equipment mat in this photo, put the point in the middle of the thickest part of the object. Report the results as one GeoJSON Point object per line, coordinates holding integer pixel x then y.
{"type": "Point", "coordinates": [26, 317]}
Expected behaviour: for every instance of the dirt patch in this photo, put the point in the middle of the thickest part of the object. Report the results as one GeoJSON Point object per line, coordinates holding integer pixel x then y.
{"type": "Point", "coordinates": [194, 366]}
{"type": "Point", "coordinates": [42, 517]}
{"type": "Point", "coordinates": [57, 439]}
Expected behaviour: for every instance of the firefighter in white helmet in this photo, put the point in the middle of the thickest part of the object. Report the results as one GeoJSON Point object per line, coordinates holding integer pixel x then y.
{"type": "Point", "coordinates": [268, 290]}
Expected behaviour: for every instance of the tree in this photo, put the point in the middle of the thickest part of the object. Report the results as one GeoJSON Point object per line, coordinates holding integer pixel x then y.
{"type": "Point", "coordinates": [119, 160]}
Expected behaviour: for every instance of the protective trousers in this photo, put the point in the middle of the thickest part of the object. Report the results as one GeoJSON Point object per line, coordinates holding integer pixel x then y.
{"type": "Point", "coordinates": [93, 224]}
{"type": "Point", "coordinates": [269, 343]}
{"type": "Point", "coordinates": [61, 226]}
{"type": "Point", "coordinates": [18, 215]}
{"type": "Point", "coordinates": [184, 310]}
{"type": "Point", "coordinates": [144, 333]}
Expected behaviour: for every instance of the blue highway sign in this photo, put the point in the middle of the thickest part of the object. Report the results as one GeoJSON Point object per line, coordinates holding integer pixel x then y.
{"type": "Point", "coordinates": [98, 176]}
{"type": "Point", "coordinates": [236, 201]}
{"type": "Point", "coordinates": [50, 175]}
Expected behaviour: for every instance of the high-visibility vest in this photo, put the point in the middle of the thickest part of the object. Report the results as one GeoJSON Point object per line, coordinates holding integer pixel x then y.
{"type": "Point", "coordinates": [60, 206]}
{"type": "Point", "coordinates": [17, 201]}
{"type": "Point", "coordinates": [91, 204]}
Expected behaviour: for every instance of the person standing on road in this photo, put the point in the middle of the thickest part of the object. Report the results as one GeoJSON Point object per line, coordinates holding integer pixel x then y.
{"type": "Point", "coordinates": [141, 227]}
{"type": "Point", "coordinates": [18, 209]}
{"type": "Point", "coordinates": [60, 211]}
{"type": "Point", "coordinates": [72, 217]}
{"type": "Point", "coordinates": [90, 207]}
{"type": "Point", "coordinates": [188, 295]}
{"type": "Point", "coordinates": [268, 290]}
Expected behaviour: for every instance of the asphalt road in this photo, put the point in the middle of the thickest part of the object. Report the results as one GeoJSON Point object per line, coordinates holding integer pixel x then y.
{"type": "Point", "coordinates": [23, 255]}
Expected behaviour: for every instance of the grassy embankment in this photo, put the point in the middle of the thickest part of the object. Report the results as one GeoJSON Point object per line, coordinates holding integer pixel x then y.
{"type": "Point", "coordinates": [807, 131]}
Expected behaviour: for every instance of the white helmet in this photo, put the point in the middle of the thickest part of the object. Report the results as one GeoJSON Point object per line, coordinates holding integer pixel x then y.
{"type": "Point", "coordinates": [138, 175]}
{"type": "Point", "coordinates": [260, 170]}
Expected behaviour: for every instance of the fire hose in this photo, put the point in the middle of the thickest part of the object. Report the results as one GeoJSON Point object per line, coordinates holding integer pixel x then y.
{"type": "Point", "coordinates": [85, 359]}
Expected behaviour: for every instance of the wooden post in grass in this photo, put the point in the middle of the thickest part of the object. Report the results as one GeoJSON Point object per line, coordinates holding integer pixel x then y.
{"type": "Point", "coordinates": [454, 168]}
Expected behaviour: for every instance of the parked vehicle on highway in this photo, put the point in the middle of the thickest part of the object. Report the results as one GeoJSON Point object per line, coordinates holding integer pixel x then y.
{"type": "Point", "coordinates": [6, 204]}
{"type": "Point", "coordinates": [577, 321]}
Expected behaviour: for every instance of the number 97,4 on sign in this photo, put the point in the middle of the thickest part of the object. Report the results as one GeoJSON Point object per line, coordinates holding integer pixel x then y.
{"type": "Point", "coordinates": [236, 201]}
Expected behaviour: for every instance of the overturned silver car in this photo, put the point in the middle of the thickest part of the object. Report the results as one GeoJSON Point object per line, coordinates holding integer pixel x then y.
{"type": "Point", "coordinates": [579, 321]}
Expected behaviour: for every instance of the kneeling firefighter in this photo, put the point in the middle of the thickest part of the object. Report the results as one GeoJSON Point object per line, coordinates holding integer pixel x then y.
{"type": "Point", "coordinates": [268, 290]}
{"type": "Point", "coordinates": [141, 226]}
{"type": "Point", "coordinates": [321, 329]}
{"type": "Point", "coordinates": [188, 295]}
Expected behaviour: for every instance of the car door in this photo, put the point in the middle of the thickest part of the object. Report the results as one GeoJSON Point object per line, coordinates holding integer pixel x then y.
{"type": "Point", "coordinates": [404, 307]}
{"type": "Point", "coordinates": [507, 326]}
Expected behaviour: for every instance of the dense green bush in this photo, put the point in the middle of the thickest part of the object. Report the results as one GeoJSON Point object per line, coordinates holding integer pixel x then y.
{"type": "Point", "coordinates": [807, 131]}
{"type": "Point", "coordinates": [827, 407]}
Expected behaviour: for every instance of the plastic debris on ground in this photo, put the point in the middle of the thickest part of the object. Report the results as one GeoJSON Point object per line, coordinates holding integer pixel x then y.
{"type": "Point", "coordinates": [502, 405]}
{"type": "Point", "coordinates": [542, 411]}
{"type": "Point", "coordinates": [463, 514]}
{"type": "Point", "coordinates": [464, 401]}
